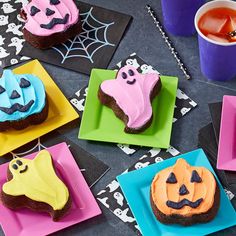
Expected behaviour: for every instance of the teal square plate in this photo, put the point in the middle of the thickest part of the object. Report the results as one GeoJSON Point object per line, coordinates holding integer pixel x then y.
{"type": "Point", "coordinates": [99, 122]}
{"type": "Point", "coordinates": [136, 188]}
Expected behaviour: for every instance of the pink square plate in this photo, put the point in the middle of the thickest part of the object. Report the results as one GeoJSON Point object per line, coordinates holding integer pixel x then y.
{"type": "Point", "coordinates": [84, 206]}
{"type": "Point", "coordinates": [227, 143]}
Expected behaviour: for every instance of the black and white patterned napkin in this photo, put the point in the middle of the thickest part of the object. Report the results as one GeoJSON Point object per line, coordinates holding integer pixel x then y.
{"type": "Point", "coordinates": [183, 104]}
{"type": "Point", "coordinates": [11, 36]}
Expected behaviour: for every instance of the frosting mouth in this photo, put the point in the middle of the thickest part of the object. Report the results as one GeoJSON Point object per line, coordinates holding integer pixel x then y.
{"type": "Point", "coordinates": [56, 21]}
{"type": "Point", "coordinates": [131, 82]}
{"type": "Point", "coordinates": [17, 107]}
{"type": "Point", "coordinates": [184, 202]}
{"type": "Point", "coordinates": [24, 170]}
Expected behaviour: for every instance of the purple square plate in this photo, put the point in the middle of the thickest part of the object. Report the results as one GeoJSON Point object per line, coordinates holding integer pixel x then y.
{"type": "Point", "coordinates": [84, 206]}
{"type": "Point", "coordinates": [227, 149]}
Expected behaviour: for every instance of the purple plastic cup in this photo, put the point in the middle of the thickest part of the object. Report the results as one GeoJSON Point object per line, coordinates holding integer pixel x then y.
{"type": "Point", "coordinates": [179, 15]}
{"type": "Point", "coordinates": [217, 59]}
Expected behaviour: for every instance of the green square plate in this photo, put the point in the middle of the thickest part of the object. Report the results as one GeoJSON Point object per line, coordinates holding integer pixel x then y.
{"type": "Point", "coordinates": [99, 123]}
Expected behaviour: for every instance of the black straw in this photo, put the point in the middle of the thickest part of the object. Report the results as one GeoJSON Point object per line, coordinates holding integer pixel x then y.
{"type": "Point", "coordinates": [168, 41]}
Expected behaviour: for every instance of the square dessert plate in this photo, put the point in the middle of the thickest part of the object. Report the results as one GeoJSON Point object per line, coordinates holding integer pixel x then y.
{"type": "Point", "coordinates": [99, 122]}
{"type": "Point", "coordinates": [25, 222]}
{"type": "Point", "coordinates": [136, 188]}
{"type": "Point", "coordinates": [215, 111]}
{"type": "Point", "coordinates": [226, 159]}
{"type": "Point", "coordinates": [60, 111]}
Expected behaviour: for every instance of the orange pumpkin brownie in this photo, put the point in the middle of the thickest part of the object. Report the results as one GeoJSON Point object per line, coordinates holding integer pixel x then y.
{"type": "Point", "coordinates": [184, 194]}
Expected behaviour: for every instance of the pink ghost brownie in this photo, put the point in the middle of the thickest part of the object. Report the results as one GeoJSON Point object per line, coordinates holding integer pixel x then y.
{"type": "Point", "coordinates": [130, 96]}
{"type": "Point", "coordinates": [50, 22]}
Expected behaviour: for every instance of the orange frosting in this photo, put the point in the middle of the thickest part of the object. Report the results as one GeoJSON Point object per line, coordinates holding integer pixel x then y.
{"type": "Point", "coordinates": [162, 192]}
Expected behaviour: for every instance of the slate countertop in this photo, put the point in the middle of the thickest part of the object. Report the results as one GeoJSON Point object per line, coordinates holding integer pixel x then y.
{"type": "Point", "coordinates": [143, 38]}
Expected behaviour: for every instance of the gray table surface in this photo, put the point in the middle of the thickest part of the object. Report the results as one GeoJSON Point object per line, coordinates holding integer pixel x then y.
{"type": "Point", "coordinates": [143, 38]}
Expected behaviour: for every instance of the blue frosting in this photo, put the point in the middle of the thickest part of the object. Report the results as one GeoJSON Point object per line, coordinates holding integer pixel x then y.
{"type": "Point", "coordinates": [33, 95]}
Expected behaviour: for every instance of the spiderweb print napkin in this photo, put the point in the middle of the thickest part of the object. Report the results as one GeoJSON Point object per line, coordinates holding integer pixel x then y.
{"type": "Point", "coordinates": [11, 36]}
{"type": "Point", "coordinates": [102, 30]}
{"type": "Point", "coordinates": [183, 104]}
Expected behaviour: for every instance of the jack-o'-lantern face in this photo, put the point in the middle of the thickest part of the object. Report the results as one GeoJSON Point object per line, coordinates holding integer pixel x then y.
{"type": "Point", "coordinates": [50, 16]}
{"type": "Point", "coordinates": [14, 98]}
{"type": "Point", "coordinates": [20, 96]}
{"type": "Point", "coordinates": [183, 189]}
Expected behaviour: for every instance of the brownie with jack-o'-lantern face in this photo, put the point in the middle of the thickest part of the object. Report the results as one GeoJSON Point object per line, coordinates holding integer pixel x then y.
{"type": "Point", "coordinates": [184, 194]}
{"type": "Point", "coordinates": [50, 22]}
{"type": "Point", "coordinates": [23, 101]}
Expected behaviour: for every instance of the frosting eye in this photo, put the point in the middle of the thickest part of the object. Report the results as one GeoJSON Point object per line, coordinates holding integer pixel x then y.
{"type": "Point", "coordinates": [124, 75]}
{"type": "Point", "coordinates": [54, 2]}
{"type": "Point", "coordinates": [195, 177]}
{"type": "Point", "coordinates": [24, 83]}
{"type": "Point", "coordinates": [171, 179]}
{"type": "Point", "coordinates": [14, 95]}
{"type": "Point", "coordinates": [19, 162]}
{"type": "Point", "coordinates": [49, 12]}
{"type": "Point", "coordinates": [131, 73]}
{"type": "Point", "coordinates": [14, 166]}
{"type": "Point", "coordinates": [2, 90]}
{"type": "Point", "coordinates": [34, 10]}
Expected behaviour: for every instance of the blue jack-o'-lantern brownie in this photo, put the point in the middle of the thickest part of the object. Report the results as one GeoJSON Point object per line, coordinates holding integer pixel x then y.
{"type": "Point", "coordinates": [23, 101]}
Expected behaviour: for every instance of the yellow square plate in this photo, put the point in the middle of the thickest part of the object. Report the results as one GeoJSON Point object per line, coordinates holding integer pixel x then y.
{"type": "Point", "coordinates": [60, 111]}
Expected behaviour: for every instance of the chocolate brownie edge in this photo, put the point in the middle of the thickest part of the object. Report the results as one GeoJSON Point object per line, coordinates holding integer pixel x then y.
{"type": "Point", "coordinates": [33, 119]}
{"type": "Point", "coordinates": [45, 42]}
{"type": "Point", "coordinates": [111, 103]}
{"type": "Point", "coordinates": [196, 218]}
{"type": "Point", "coordinates": [17, 202]}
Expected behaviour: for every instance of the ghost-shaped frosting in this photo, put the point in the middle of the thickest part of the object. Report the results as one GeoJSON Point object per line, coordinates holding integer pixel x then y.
{"type": "Point", "coordinates": [37, 180]}
{"type": "Point", "coordinates": [131, 91]}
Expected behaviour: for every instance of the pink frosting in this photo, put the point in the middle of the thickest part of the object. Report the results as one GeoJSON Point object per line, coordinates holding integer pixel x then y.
{"type": "Point", "coordinates": [134, 98]}
{"type": "Point", "coordinates": [64, 7]}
